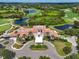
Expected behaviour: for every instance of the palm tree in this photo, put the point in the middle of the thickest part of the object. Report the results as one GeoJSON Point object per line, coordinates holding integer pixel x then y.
{"type": "Point", "coordinates": [30, 36]}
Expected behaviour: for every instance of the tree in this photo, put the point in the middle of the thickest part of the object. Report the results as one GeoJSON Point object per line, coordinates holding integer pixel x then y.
{"type": "Point", "coordinates": [73, 56]}
{"type": "Point", "coordinates": [67, 50]}
{"type": "Point", "coordinates": [44, 57]}
{"type": "Point", "coordinates": [76, 23]}
{"type": "Point", "coordinates": [7, 54]}
{"type": "Point", "coordinates": [24, 57]}
{"type": "Point", "coordinates": [77, 45]}
{"type": "Point", "coordinates": [72, 31]}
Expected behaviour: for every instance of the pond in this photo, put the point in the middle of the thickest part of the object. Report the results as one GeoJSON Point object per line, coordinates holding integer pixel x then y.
{"type": "Point", "coordinates": [21, 21]}
{"type": "Point", "coordinates": [63, 27]}
{"type": "Point", "coordinates": [31, 11]}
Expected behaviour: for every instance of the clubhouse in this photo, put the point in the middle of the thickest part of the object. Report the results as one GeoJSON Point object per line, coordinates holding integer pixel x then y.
{"type": "Point", "coordinates": [38, 31]}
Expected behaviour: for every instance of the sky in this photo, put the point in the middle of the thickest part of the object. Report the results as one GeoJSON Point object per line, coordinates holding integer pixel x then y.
{"type": "Point", "coordinates": [48, 1]}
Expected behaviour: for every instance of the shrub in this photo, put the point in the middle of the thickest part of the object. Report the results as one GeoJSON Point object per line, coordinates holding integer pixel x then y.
{"type": "Point", "coordinates": [24, 57]}
{"type": "Point", "coordinates": [67, 50]}
{"type": "Point", "coordinates": [6, 42]}
{"type": "Point", "coordinates": [77, 44]}
{"type": "Point", "coordinates": [7, 54]}
{"type": "Point", "coordinates": [73, 56]}
{"type": "Point", "coordinates": [39, 47]}
{"type": "Point", "coordinates": [63, 40]}
{"type": "Point", "coordinates": [17, 46]}
{"type": "Point", "coordinates": [44, 57]}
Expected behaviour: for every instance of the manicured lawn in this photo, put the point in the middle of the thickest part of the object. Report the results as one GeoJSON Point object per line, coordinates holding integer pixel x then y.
{"type": "Point", "coordinates": [54, 13]}
{"type": "Point", "coordinates": [4, 28]}
{"type": "Point", "coordinates": [17, 46]}
{"type": "Point", "coordinates": [3, 21]}
{"type": "Point", "coordinates": [60, 45]}
{"type": "Point", "coordinates": [71, 15]}
{"type": "Point", "coordinates": [39, 47]}
{"type": "Point", "coordinates": [77, 55]}
{"type": "Point", "coordinates": [67, 20]}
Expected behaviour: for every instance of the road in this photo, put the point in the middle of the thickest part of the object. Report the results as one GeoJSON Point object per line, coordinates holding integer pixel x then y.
{"type": "Point", "coordinates": [26, 51]}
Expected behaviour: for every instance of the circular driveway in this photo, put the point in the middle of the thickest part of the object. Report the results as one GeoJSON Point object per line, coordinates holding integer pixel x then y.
{"type": "Point", "coordinates": [26, 51]}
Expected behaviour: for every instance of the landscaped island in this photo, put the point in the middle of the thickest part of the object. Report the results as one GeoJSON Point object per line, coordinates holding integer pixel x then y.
{"type": "Point", "coordinates": [39, 47]}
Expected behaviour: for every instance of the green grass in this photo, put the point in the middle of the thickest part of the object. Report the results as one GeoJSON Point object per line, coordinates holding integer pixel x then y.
{"type": "Point", "coordinates": [60, 45]}
{"type": "Point", "coordinates": [3, 21]}
{"type": "Point", "coordinates": [4, 28]}
{"type": "Point", "coordinates": [54, 13]}
{"type": "Point", "coordinates": [77, 55]}
{"type": "Point", "coordinates": [70, 15]}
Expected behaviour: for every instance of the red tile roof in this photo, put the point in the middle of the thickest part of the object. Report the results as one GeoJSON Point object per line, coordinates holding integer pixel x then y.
{"type": "Point", "coordinates": [22, 30]}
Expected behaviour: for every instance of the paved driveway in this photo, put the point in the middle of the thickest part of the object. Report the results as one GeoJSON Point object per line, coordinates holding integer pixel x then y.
{"type": "Point", "coordinates": [72, 40]}
{"type": "Point", "coordinates": [26, 51]}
